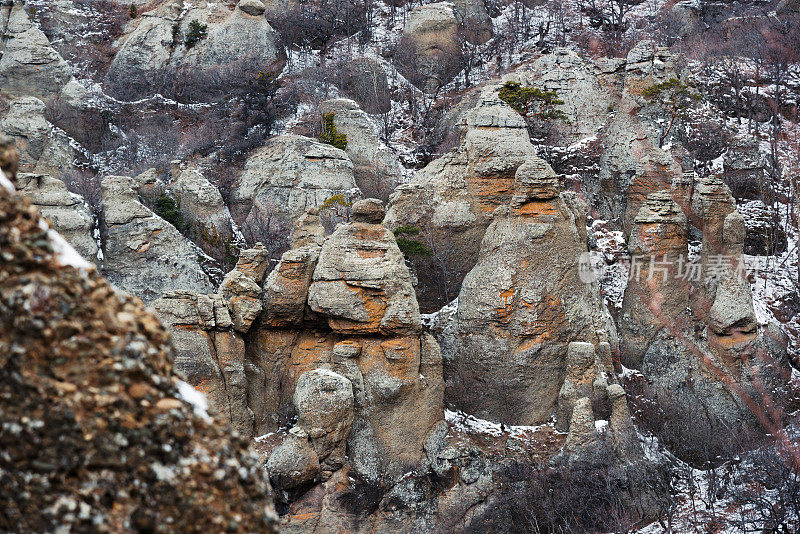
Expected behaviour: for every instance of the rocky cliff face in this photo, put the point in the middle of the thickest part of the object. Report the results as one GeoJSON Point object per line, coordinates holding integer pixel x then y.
{"type": "Point", "coordinates": [522, 304]}
{"type": "Point", "coordinates": [96, 434]}
{"type": "Point", "coordinates": [294, 307]}
{"type": "Point", "coordinates": [164, 54]}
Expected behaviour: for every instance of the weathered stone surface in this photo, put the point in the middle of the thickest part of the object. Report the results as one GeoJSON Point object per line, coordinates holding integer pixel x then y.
{"type": "Point", "coordinates": [207, 333]}
{"type": "Point", "coordinates": [585, 377]}
{"type": "Point", "coordinates": [520, 307]}
{"type": "Point", "coordinates": [41, 148]}
{"type": "Point", "coordinates": [29, 66]}
{"type": "Point", "coordinates": [91, 401]}
{"type": "Point", "coordinates": [66, 211]}
{"type": "Point", "coordinates": [294, 464]}
{"type": "Point", "coordinates": [429, 48]}
{"type": "Point", "coordinates": [452, 199]}
{"type": "Point", "coordinates": [355, 319]}
{"type": "Point", "coordinates": [324, 404]}
{"type": "Point", "coordinates": [654, 299]}
{"type": "Point", "coordinates": [578, 83]}
{"type": "Point", "coordinates": [144, 254]}
{"type": "Point", "coordinates": [376, 168]}
{"type": "Point", "coordinates": [292, 174]}
{"type": "Point", "coordinates": [361, 283]}
{"type": "Point", "coordinates": [286, 287]}
{"type": "Point", "coordinates": [154, 58]}
{"type": "Point", "coordinates": [205, 218]}
{"type": "Point", "coordinates": [208, 353]}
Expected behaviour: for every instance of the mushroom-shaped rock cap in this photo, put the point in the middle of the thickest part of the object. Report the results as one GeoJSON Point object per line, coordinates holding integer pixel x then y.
{"type": "Point", "coordinates": [534, 180]}
{"type": "Point", "coordinates": [255, 8]}
{"type": "Point", "coordinates": [369, 210]}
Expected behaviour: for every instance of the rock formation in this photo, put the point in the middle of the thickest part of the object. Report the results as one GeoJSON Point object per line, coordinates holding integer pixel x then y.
{"type": "Point", "coordinates": [157, 56]}
{"type": "Point", "coordinates": [375, 167]}
{"type": "Point", "coordinates": [205, 217]}
{"type": "Point", "coordinates": [355, 316]}
{"type": "Point", "coordinates": [521, 306]}
{"type": "Point", "coordinates": [96, 434]}
{"type": "Point", "coordinates": [144, 254]}
{"type": "Point", "coordinates": [207, 334]}
{"type": "Point", "coordinates": [452, 199]}
{"type": "Point", "coordinates": [67, 212]}
{"type": "Point", "coordinates": [428, 52]}
{"type": "Point", "coordinates": [688, 323]}
{"type": "Point", "coordinates": [29, 66]}
{"type": "Point", "coordinates": [289, 175]}
{"type": "Point", "coordinates": [42, 149]}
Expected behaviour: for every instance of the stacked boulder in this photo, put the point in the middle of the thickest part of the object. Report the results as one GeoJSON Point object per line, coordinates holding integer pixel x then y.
{"type": "Point", "coordinates": [522, 304]}
{"type": "Point", "coordinates": [347, 317]}
{"type": "Point", "coordinates": [208, 336]}
{"type": "Point", "coordinates": [690, 327]}
{"type": "Point", "coordinates": [452, 199]}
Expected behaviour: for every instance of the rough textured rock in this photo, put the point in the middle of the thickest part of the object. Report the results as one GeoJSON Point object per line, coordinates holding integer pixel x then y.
{"type": "Point", "coordinates": [95, 438]}
{"type": "Point", "coordinates": [144, 254]}
{"type": "Point", "coordinates": [347, 306]}
{"type": "Point", "coordinates": [206, 220]}
{"type": "Point", "coordinates": [361, 283]}
{"type": "Point", "coordinates": [691, 328]}
{"type": "Point", "coordinates": [586, 376]}
{"type": "Point", "coordinates": [452, 199]}
{"type": "Point", "coordinates": [578, 83]}
{"type": "Point", "coordinates": [653, 298]}
{"type": "Point", "coordinates": [292, 174]}
{"type": "Point", "coordinates": [208, 353]}
{"type": "Point", "coordinates": [429, 49]}
{"type": "Point", "coordinates": [294, 464]}
{"type": "Point", "coordinates": [41, 148]}
{"type": "Point", "coordinates": [324, 404]}
{"type": "Point", "coordinates": [66, 211]}
{"type": "Point", "coordinates": [154, 57]}
{"type": "Point", "coordinates": [521, 306]}
{"type": "Point", "coordinates": [376, 168]}
{"type": "Point", "coordinates": [207, 333]}
{"type": "Point", "coordinates": [29, 65]}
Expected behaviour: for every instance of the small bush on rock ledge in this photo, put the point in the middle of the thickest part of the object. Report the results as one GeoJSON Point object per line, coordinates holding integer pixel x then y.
{"type": "Point", "coordinates": [330, 134]}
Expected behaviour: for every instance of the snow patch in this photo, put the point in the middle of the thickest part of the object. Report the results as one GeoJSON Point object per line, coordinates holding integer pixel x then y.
{"type": "Point", "coordinates": [187, 393]}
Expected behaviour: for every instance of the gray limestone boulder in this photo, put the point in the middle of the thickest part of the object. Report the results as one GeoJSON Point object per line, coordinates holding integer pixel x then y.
{"type": "Point", "coordinates": [29, 65]}
{"type": "Point", "coordinates": [428, 52]}
{"type": "Point", "coordinates": [67, 212]}
{"type": "Point", "coordinates": [144, 254]}
{"type": "Point", "coordinates": [323, 400]}
{"type": "Point", "coordinates": [205, 217]}
{"type": "Point", "coordinates": [155, 57]}
{"type": "Point", "coordinates": [42, 149]}
{"type": "Point", "coordinates": [294, 464]}
{"type": "Point", "coordinates": [292, 174]}
{"type": "Point", "coordinates": [361, 283]}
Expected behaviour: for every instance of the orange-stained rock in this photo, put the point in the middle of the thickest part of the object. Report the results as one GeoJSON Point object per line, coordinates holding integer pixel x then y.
{"type": "Point", "coordinates": [521, 306]}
